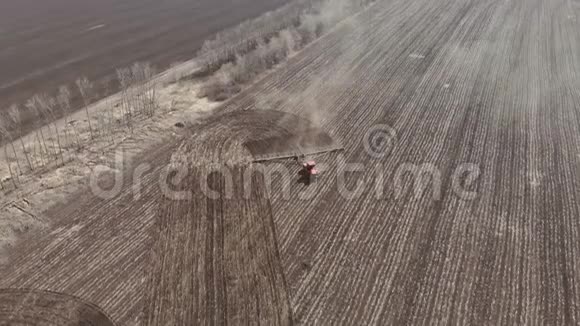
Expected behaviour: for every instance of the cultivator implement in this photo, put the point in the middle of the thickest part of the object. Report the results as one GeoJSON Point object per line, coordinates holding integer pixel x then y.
{"type": "Point", "coordinates": [295, 154]}
{"type": "Point", "coordinates": [309, 143]}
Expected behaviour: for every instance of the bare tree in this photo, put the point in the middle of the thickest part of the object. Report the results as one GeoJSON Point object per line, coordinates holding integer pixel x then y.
{"type": "Point", "coordinates": [143, 88]}
{"type": "Point", "coordinates": [85, 88]}
{"type": "Point", "coordinates": [137, 82]}
{"type": "Point", "coordinates": [40, 103]}
{"type": "Point", "coordinates": [64, 101]}
{"type": "Point", "coordinates": [150, 88]}
{"type": "Point", "coordinates": [124, 77]}
{"type": "Point", "coordinates": [9, 126]}
{"type": "Point", "coordinates": [33, 107]}
{"type": "Point", "coordinates": [110, 111]}
{"type": "Point", "coordinates": [5, 134]}
{"type": "Point", "coordinates": [47, 105]}
{"type": "Point", "coordinates": [14, 113]}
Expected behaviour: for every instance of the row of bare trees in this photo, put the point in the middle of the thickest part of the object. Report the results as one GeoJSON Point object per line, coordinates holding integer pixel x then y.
{"type": "Point", "coordinates": [232, 66]}
{"type": "Point", "coordinates": [138, 92]}
{"type": "Point", "coordinates": [53, 143]}
{"type": "Point", "coordinates": [227, 80]}
{"type": "Point", "coordinates": [304, 19]}
{"type": "Point", "coordinates": [247, 36]}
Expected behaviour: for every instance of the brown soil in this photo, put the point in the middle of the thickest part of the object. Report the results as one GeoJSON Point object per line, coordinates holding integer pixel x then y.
{"type": "Point", "coordinates": [489, 83]}
{"type": "Point", "coordinates": [32, 307]}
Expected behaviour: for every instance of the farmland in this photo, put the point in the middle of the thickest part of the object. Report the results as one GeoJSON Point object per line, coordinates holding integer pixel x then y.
{"type": "Point", "coordinates": [46, 44]}
{"type": "Point", "coordinates": [488, 84]}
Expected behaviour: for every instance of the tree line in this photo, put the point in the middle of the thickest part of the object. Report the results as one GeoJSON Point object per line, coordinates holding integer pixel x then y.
{"type": "Point", "coordinates": [53, 144]}
{"type": "Point", "coordinates": [235, 56]}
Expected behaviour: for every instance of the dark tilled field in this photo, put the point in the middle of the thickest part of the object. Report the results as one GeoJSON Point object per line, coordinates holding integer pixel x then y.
{"type": "Point", "coordinates": [491, 83]}
{"type": "Point", "coordinates": [44, 44]}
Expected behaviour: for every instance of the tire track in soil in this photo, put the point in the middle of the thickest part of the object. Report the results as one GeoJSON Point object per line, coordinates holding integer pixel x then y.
{"type": "Point", "coordinates": [97, 249]}
{"type": "Point", "coordinates": [216, 259]}
{"type": "Point", "coordinates": [498, 88]}
{"type": "Point", "coordinates": [32, 307]}
{"type": "Point", "coordinates": [494, 83]}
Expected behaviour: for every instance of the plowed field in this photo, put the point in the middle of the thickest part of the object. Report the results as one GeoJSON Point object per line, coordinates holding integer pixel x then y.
{"type": "Point", "coordinates": [489, 83]}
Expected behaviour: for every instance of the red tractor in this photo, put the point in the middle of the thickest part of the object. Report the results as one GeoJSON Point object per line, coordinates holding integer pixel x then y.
{"type": "Point", "coordinates": [309, 171]}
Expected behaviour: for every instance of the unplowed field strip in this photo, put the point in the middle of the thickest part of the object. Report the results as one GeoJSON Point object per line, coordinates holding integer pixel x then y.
{"type": "Point", "coordinates": [98, 249]}
{"type": "Point", "coordinates": [216, 260]}
{"type": "Point", "coordinates": [24, 307]}
{"type": "Point", "coordinates": [495, 84]}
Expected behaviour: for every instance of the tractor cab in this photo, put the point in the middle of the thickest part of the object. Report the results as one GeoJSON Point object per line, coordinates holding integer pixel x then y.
{"type": "Point", "coordinates": [310, 168]}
